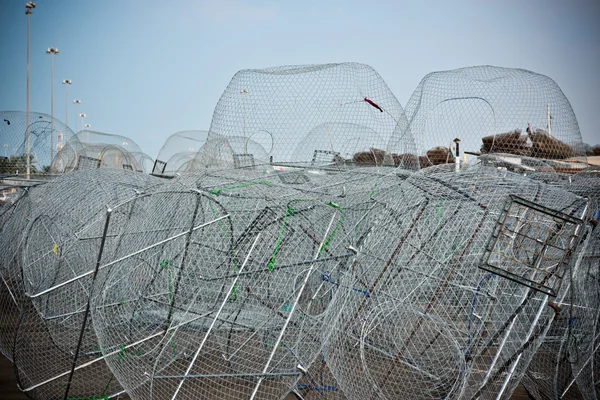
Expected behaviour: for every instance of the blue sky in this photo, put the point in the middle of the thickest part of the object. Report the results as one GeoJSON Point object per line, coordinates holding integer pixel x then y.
{"type": "Point", "coordinates": [147, 69]}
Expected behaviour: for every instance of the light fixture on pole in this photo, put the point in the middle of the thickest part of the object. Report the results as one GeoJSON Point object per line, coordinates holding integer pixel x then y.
{"type": "Point", "coordinates": [52, 51]}
{"type": "Point", "coordinates": [82, 115]}
{"type": "Point", "coordinates": [77, 102]}
{"type": "Point", "coordinates": [87, 126]}
{"type": "Point", "coordinates": [244, 92]}
{"type": "Point", "coordinates": [28, 11]}
{"type": "Point", "coordinates": [67, 82]}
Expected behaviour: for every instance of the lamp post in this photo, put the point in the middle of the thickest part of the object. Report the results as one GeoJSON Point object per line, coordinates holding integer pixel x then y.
{"type": "Point", "coordinates": [87, 126]}
{"type": "Point", "coordinates": [244, 92]}
{"type": "Point", "coordinates": [82, 115]}
{"type": "Point", "coordinates": [52, 51]}
{"type": "Point", "coordinates": [77, 102]}
{"type": "Point", "coordinates": [67, 82]}
{"type": "Point", "coordinates": [28, 11]}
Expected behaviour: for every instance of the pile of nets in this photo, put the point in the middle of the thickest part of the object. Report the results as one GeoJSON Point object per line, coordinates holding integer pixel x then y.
{"type": "Point", "coordinates": [307, 246]}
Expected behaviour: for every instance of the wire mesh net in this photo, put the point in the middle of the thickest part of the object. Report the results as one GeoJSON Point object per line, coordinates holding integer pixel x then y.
{"type": "Point", "coordinates": [47, 137]}
{"type": "Point", "coordinates": [293, 112]}
{"type": "Point", "coordinates": [287, 256]}
{"type": "Point", "coordinates": [468, 333]}
{"type": "Point", "coordinates": [494, 110]}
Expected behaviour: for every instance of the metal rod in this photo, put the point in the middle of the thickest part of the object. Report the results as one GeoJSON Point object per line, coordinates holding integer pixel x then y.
{"type": "Point", "coordinates": [225, 299]}
{"type": "Point", "coordinates": [269, 374]}
{"type": "Point", "coordinates": [529, 334]}
{"type": "Point", "coordinates": [291, 313]}
{"type": "Point", "coordinates": [87, 364]}
{"type": "Point", "coordinates": [87, 310]}
{"type": "Point", "coordinates": [121, 259]}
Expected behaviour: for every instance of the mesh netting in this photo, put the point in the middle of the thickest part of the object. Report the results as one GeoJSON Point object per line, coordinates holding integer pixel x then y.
{"type": "Point", "coordinates": [47, 137]}
{"type": "Point", "coordinates": [494, 110]}
{"type": "Point", "coordinates": [92, 150]}
{"type": "Point", "coordinates": [283, 257]}
{"type": "Point", "coordinates": [466, 332]}
{"type": "Point", "coordinates": [564, 365]}
{"type": "Point", "coordinates": [180, 149]}
{"type": "Point", "coordinates": [296, 113]}
{"type": "Point", "coordinates": [57, 234]}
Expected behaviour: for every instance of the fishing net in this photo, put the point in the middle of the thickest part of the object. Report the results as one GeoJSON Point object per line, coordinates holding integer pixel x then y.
{"type": "Point", "coordinates": [47, 137]}
{"type": "Point", "coordinates": [313, 114]}
{"type": "Point", "coordinates": [564, 365]}
{"type": "Point", "coordinates": [57, 232]}
{"type": "Point", "coordinates": [494, 110]}
{"type": "Point", "coordinates": [451, 257]}
{"type": "Point", "coordinates": [222, 290]}
{"type": "Point", "coordinates": [91, 150]}
{"type": "Point", "coordinates": [179, 151]}
{"type": "Point", "coordinates": [286, 255]}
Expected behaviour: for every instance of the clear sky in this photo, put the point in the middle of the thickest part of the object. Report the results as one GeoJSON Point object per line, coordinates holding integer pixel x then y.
{"type": "Point", "coordinates": [147, 69]}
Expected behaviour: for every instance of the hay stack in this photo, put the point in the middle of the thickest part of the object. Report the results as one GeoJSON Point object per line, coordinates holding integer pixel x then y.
{"type": "Point", "coordinates": [509, 142]}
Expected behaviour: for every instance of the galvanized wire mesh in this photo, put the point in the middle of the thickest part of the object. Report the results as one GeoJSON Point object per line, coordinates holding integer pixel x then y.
{"type": "Point", "coordinates": [564, 365]}
{"type": "Point", "coordinates": [91, 149]}
{"type": "Point", "coordinates": [47, 137]}
{"type": "Point", "coordinates": [271, 265]}
{"type": "Point", "coordinates": [494, 110]}
{"type": "Point", "coordinates": [294, 112]}
{"type": "Point", "coordinates": [55, 235]}
{"type": "Point", "coordinates": [434, 323]}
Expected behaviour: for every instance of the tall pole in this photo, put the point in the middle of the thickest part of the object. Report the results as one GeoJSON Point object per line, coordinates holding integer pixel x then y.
{"type": "Point", "coordinates": [244, 92]}
{"type": "Point", "coordinates": [52, 51]}
{"type": "Point", "coordinates": [77, 103]}
{"type": "Point", "coordinates": [28, 10]}
{"type": "Point", "coordinates": [67, 82]}
{"type": "Point", "coordinates": [82, 115]}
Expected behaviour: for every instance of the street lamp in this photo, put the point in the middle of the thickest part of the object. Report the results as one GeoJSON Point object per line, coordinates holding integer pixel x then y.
{"type": "Point", "coordinates": [28, 11]}
{"type": "Point", "coordinates": [244, 92]}
{"type": "Point", "coordinates": [52, 51]}
{"type": "Point", "coordinates": [82, 115]}
{"type": "Point", "coordinates": [67, 82]}
{"type": "Point", "coordinates": [87, 126]}
{"type": "Point", "coordinates": [77, 102]}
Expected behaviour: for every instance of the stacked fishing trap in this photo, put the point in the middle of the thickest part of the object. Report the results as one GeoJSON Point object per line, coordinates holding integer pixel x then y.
{"type": "Point", "coordinates": [317, 242]}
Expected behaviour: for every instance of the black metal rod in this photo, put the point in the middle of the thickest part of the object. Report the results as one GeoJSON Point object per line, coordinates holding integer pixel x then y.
{"type": "Point", "coordinates": [87, 310]}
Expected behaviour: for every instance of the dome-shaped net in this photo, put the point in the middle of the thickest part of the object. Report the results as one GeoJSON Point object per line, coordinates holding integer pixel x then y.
{"type": "Point", "coordinates": [47, 137]}
{"type": "Point", "coordinates": [494, 110]}
{"type": "Point", "coordinates": [274, 267]}
{"type": "Point", "coordinates": [299, 114]}
{"type": "Point", "coordinates": [92, 150]}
